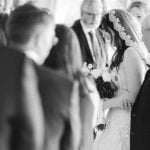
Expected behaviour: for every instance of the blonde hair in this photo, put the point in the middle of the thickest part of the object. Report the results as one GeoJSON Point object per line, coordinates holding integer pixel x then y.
{"type": "Point", "coordinates": [139, 4]}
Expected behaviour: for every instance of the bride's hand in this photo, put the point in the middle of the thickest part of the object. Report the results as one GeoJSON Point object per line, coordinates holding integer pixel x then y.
{"type": "Point", "coordinates": [104, 107]}
{"type": "Point", "coordinates": [85, 69]}
{"type": "Point", "coordinates": [127, 105]}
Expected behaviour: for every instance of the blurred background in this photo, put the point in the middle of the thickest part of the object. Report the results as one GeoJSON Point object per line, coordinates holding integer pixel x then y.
{"type": "Point", "coordinates": [66, 11]}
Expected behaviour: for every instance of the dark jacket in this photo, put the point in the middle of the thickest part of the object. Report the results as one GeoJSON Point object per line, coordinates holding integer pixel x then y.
{"type": "Point", "coordinates": [57, 93]}
{"type": "Point", "coordinates": [17, 123]}
{"type": "Point", "coordinates": [140, 120]}
{"type": "Point", "coordinates": [86, 54]}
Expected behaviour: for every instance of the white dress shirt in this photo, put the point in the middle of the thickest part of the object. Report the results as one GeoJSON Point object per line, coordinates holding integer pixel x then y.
{"type": "Point", "coordinates": [86, 31]}
{"type": "Point", "coordinates": [32, 55]}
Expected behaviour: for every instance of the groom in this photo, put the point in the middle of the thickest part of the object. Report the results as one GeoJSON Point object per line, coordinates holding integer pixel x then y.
{"type": "Point", "coordinates": [140, 120]}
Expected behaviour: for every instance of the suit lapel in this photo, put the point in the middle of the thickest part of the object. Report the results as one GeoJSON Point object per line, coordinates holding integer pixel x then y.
{"type": "Point", "coordinates": [87, 56]}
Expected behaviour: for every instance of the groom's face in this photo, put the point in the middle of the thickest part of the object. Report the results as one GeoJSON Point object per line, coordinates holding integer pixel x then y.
{"type": "Point", "coordinates": [146, 35]}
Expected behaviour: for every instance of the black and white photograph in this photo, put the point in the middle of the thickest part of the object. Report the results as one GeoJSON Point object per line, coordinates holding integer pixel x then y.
{"type": "Point", "coordinates": [74, 74]}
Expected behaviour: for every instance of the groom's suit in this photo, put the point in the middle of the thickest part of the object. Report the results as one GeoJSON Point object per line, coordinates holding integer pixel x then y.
{"type": "Point", "coordinates": [140, 119]}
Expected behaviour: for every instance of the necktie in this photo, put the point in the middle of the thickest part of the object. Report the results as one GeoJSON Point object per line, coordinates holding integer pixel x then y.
{"type": "Point", "coordinates": [95, 48]}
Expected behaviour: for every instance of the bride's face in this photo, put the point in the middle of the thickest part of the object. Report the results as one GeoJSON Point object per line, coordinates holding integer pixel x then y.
{"type": "Point", "coordinates": [108, 37]}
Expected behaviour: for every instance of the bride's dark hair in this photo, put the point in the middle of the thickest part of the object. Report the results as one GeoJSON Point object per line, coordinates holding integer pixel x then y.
{"type": "Point", "coordinates": [125, 20]}
{"type": "Point", "coordinates": [107, 26]}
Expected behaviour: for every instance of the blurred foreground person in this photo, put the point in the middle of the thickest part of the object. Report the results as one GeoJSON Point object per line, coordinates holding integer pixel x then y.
{"type": "Point", "coordinates": [21, 115]}
{"type": "Point", "coordinates": [32, 31]}
{"type": "Point", "coordinates": [66, 58]}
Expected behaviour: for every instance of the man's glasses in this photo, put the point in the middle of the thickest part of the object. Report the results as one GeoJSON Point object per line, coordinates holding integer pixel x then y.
{"type": "Point", "coordinates": [92, 14]}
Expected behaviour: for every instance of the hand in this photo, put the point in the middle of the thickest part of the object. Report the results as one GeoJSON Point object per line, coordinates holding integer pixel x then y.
{"type": "Point", "coordinates": [127, 105]}
{"type": "Point", "coordinates": [104, 107]}
{"type": "Point", "coordinates": [85, 69]}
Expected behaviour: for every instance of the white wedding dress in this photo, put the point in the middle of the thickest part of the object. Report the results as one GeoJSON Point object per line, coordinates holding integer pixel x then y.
{"type": "Point", "coordinates": [116, 136]}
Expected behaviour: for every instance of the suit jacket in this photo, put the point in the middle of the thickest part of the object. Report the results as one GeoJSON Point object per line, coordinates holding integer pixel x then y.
{"type": "Point", "coordinates": [57, 93]}
{"type": "Point", "coordinates": [140, 120]}
{"type": "Point", "coordinates": [18, 128]}
{"type": "Point", "coordinates": [86, 53]}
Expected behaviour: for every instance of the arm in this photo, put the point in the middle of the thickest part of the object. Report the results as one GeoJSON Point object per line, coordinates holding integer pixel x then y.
{"type": "Point", "coordinates": [75, 117]}
{"type": "Point", "coordinates": [134, 74]}
{"type": "Point", "coordinates": [31, 109]}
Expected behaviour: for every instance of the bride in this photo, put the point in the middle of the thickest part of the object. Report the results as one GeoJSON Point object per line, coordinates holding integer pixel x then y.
{"type": "Point", "coordinates": [128, 64]}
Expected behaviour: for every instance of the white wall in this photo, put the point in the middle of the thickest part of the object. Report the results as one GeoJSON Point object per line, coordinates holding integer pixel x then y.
{"type": "Point", "coordinates": [67, 11]}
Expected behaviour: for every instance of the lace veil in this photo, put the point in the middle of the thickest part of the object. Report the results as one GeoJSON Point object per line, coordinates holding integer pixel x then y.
{"type": "Point", "coordinates": [129, 30]}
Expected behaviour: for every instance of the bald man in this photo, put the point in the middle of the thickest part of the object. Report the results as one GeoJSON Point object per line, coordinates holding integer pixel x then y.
{"type": "Point", "coordinates": [140, 120]}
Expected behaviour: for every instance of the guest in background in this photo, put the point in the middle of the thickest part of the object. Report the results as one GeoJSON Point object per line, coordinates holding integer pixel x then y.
{"type": "Point", "coordinates": [139, 10]}
{"type": "Point", "coordinates": [62, 54]}
{"type": "Point", "coordinates": [66, 58]}
{"type": "Point", "coordinates": [91, 42]}
{"type": "Point", "coordinates": [32, 31]}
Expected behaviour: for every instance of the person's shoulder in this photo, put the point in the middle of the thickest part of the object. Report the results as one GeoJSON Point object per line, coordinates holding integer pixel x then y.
{"type": "Point", "coordinates": [133, 57]}
{"type": "Point", "coordinates": [55, 86]}
{"type": "Point", "coordinates": [132, 53]}
{"type": "Point", "coordinates": [129, 50]}
{"type": "Point", "coordinates": [55, 77]}
{"type": "Point", "coordinates": [76, 24]}
{"type": "Point", "coordinates": [11, 53]}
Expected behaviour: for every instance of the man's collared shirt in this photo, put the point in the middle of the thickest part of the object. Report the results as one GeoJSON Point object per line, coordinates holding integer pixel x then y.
{"type": "Point", "coordinates": [86, 31]}
{"type": "Point", "coordinates": [32, 55]}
